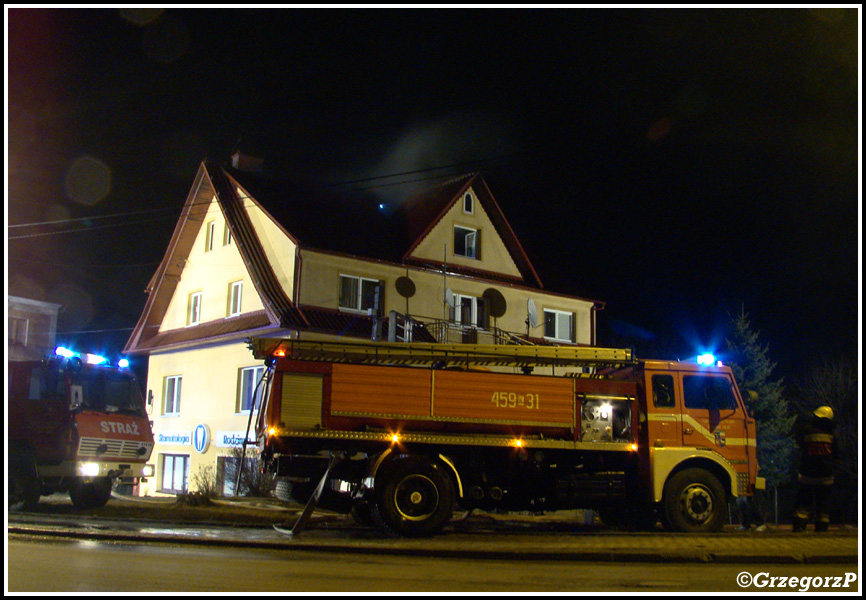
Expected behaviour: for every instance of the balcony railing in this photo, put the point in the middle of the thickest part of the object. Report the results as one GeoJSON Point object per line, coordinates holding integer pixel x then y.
{"type": "Point", "coordinates": [403, 328]}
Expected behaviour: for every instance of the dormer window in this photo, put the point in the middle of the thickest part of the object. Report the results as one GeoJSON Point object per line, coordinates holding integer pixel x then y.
{"type": "Point", "coordinates": [468, 204]}
{"type": "Point", "coordinates": [466, 242]}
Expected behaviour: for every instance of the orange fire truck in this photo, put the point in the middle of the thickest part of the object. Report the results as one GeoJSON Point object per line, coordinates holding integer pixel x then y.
{"type": "Point", "coordinates": [403, 434]}
{"type": "Point", "coordinates": [76, 424]}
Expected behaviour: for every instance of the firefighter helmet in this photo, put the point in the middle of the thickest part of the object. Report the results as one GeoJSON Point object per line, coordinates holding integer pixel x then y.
{"type": "Point", "coordinates": [824, 412]}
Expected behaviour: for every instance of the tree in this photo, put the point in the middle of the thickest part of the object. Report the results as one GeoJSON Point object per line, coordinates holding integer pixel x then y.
{"type": "Point", "coordinates": [753, 368]}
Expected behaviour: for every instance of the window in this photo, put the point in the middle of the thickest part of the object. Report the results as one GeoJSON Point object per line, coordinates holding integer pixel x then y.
{"type": "Point", "coordinates": [175, 473]}
{"type": "Point", "coordinates": [710, 393]}
{"type": "Point", "coordinates": [465, 242]}
{"type": "Point", "coordinates": [663, 391]}
{"type": "Point", "coordinates": [227, 474]}
{"type": "Point", "coordinates": [17, 331]}
{"type": "Point", "coordinates": [468, 206]}
{"type": "Point", "coordinates": [357, 293]}
{"type": "Point", "coordinates": [227, 235]}
{"type": "Point", "coordinates": [172, 395]}
{"type": "Point", "coordinates": [235, 298]}
{"type": "Point", "coordinates": [470, 311]}
{"type": "Point", "coordinates": [194, 316]}
{"type": "Point", "coordinates": [559, 325]}
{"type": "Point", "coordinates": [248, 384]}
{"type": "Point", "coordinates": [209, 235]}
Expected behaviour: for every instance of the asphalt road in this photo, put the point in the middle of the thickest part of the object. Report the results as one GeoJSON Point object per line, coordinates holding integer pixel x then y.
{"type": "Point", "coordinates": [131, 566]}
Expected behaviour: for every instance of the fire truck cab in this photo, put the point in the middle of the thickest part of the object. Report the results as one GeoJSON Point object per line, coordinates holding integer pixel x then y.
{"type": "Point", "coordinates": [76, 424]}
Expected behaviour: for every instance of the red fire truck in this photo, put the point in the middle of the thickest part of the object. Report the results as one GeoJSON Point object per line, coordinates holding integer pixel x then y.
{"type": "Point", "coordinates": [76, 424]}
{"type": "Point", "coordinates": [402, 434]}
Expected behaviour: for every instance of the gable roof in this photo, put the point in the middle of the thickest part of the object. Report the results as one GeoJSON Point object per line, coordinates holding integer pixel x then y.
{"type": "Point", "coordinates": [308, 217]}
{"type": "Point", "coordinates": [211, 181]}
{"type": "Point", "coordinates": [427, 209]}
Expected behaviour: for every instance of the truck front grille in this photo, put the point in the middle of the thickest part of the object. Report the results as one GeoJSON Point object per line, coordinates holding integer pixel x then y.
{"type": "Point", "coordinates": [121, 449]}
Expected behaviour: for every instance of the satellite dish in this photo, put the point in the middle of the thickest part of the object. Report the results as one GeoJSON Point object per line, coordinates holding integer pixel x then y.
{"type": "Point", "coordinates": [449, 297]}
{"type": "Point", "coordinates": [495, 302]}
{"type": "Point", "coordinates": [405, 287]}
{"type": "Point", "coordinates": [531, 313]}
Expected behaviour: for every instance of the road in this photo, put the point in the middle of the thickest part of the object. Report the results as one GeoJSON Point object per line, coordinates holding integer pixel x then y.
{"type": "Point", "coordinates": [95, 566]}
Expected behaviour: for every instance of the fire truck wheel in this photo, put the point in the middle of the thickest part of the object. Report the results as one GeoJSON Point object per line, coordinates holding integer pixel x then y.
{"type": "Point", "coordinates": [694, 502]}
{"type": "Point", "coordinates": [23, 481]}
{"type": "Point", "coordinates": [417, 498]}
{"type": "Point", "coordinates": [92, 494]}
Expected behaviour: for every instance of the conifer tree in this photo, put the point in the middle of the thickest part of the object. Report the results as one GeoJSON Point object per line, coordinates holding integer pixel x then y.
{"type": "Point", "coordinates": [753, 369]}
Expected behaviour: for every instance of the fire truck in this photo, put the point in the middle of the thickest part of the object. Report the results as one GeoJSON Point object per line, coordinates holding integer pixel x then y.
{"type": "Point", "coordinates": [404, 434]}
{"type": "Point", "coordinates": [77, 425]}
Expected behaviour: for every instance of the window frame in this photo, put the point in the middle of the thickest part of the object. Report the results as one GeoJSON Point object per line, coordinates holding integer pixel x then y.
{"type": "Point", "coordinates": [475, 236]}
{"type": "Point", "coordinates": [256, 373]}
{"type": "Point", "coordinates": [175, 395]}
{"type": "Point", "coordinates": [468, 196]}
{"type": "Point", "coordinates": [193, 315]}
{"type": "Point", "coordinates": [702, 391]}
{"type": "Point", "coordinates": [235, 310]}
{"type": "Point", "coordinates": [478, 318]}
{"type": "Point", "coordinates": [185, 461]}
{"type": "Point", "coordinates": [210, 232]}
{"type": "Point", "coordinates": [227, 235]}
{"type": "Point", "coordinates": [358, 306]}
{"type": "Point", "coordinates": [557, 314]}
{"type": "Point", "coordinates": [14, 336]}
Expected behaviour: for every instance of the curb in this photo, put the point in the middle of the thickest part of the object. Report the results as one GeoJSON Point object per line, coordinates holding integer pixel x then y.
{"type": "Point", "coordinates": [241, 537]}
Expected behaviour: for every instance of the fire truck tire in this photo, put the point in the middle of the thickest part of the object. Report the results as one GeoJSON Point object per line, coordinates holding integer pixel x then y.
{"type": "Point", "coordinates": [417, 497]}
{"type": "Point", "coordinates": [92, 494]}
{"type": "Point", "coordinates": [23, 481]}
{"type": "Point", "coordinates": [694, 502]}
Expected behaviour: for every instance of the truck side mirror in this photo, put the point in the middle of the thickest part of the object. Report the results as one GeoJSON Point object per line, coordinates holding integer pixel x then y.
{"type": "Point", "coordinates": [149, 401]}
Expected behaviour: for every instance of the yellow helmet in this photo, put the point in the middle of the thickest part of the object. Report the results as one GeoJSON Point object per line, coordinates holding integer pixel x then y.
{"type": "Point", "coordinates": [824, 412]}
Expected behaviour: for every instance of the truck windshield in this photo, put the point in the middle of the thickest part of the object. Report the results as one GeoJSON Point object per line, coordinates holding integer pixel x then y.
{"type": "Point", "coordinates": [109, 391]}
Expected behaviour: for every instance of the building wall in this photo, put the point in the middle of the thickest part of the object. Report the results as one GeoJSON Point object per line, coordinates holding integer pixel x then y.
{"type": "Point", "coordinates": [320, 286]}
{"type": "Point", "coordinates": [32, 326]}
{"type": "Point", "coordinates": [439, 242]}
{"type": "Point", "coordinates": [210, 390]}
{"type": "Point", "coordinates": [278, 246]}
{"type": "Point", "coordinates": [211, 270]}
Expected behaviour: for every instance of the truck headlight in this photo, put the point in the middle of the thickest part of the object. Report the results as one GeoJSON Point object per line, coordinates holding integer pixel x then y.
{"type": "Point", "coordinates": [147, 471]}
{"type": "Point", "coordinates": [90, 469]}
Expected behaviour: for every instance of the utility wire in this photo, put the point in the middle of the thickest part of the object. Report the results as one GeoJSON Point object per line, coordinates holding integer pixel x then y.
{"type": "Point", "coordinates": [322, 186]}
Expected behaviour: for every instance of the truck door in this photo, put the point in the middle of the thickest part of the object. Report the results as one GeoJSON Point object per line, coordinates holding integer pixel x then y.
{"type": "Point", "coordinates": [47, 413]}
{"type": "Point", "coordinates": [663, 410]}
{"type": "Point", "coordinates": [710, 415]}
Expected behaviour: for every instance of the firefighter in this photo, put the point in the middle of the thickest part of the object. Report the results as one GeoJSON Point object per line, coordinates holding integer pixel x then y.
{"type": "Point", "coordinates": [817, 442]}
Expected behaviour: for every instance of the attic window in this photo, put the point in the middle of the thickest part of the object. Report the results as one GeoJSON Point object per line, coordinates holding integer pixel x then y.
{"type": "Point", "coordinates": [209, 235]}
{"type": "Point", "coordinates": [468, 205]}
{"type": "Point", "coordinates": [466, 242]}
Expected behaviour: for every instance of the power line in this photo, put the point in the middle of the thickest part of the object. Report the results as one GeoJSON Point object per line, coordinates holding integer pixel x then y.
{"type": "Point", "coordinates": [64, 221]}
{"type": "Point", "coordinates": [328, 185]}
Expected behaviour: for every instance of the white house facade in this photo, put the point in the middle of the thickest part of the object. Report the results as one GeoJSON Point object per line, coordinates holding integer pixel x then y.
{"type": "Point", "coordinates": [251, 256]}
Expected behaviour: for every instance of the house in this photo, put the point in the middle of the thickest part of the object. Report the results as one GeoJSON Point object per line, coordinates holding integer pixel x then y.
{"type": "Point", "coordinates": [254, 256]}
{"type": "Point", "coordinates": [32, 327]}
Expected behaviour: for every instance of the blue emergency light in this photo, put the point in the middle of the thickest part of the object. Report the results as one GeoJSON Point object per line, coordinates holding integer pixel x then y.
{"type": "Point", "coordinates": [706, 359]}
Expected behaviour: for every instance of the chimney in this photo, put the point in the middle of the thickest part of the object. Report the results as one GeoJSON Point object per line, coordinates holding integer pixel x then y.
{"type": "Point", "coordinates": [245, 162]}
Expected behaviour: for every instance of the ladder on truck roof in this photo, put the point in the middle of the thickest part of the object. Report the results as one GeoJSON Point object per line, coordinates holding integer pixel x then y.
{"type": "Point", "coordinates": [415, 353]}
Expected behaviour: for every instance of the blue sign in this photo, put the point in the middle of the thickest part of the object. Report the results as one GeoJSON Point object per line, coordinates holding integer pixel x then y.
{"type": "Point", "coordinates": [201, 438]}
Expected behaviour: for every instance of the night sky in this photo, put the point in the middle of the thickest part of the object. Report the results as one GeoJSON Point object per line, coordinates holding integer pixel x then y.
{"type": "Point", "coordinates": [678, 165]}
